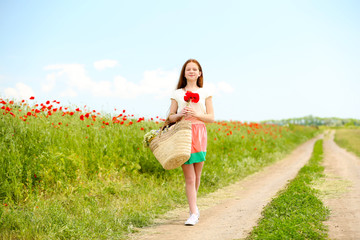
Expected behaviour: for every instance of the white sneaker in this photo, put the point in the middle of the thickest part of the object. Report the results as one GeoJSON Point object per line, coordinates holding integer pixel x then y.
{"type": "Point", "coordinates": [193, 219]}
{"type": "Point", "coordinates": [198, 212]}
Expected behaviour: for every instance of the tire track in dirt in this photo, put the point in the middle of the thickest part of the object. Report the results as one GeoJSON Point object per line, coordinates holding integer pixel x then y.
{"type": "Point", "coordinates": [342, 166]}
{"type": "Point", "coordinates": [232, 212]}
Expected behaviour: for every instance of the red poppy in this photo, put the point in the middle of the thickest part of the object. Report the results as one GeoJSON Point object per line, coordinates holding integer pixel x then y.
{"type": "Point", "coordinates": [190, 96]}
{"type": "Point", "coordinates": [29, 114]}
{"type": "Point", "coordinates": [71, 113]}
{"type": "Point", "coordinates": [82, 117]}
{"type": "Point", "coordinates": [87, 115]}
{"type": "Point", "coordinates": [142, 129]}
{"type": "Point", "coordinates": [47, 102]}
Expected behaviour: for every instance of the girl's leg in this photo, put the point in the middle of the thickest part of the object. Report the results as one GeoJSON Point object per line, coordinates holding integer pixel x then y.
{"type": "Point", "coordinates": [189, 174]}
{"type": "Point", "coordinates": [198, 168]}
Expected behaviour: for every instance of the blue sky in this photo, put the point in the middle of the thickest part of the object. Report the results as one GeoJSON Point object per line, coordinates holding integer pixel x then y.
{"type": "Point", "coordinates": [262, 59]}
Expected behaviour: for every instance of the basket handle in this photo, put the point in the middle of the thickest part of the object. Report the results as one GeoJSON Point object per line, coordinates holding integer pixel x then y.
{"type": "Point", "coordinates": [167, 122]}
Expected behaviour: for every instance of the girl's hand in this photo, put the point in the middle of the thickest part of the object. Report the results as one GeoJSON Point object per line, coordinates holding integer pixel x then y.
{"type": "Point", "coordinates": [182, 113]}
{"type": "Point", "coordinates": [189, 111]}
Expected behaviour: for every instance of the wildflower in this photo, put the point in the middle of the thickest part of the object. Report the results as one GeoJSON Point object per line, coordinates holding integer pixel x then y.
{"type": "Point", "coordinates": [142, 129]}
{"type": "Point", "coordinates": [71, 113]}
{"type": "Point", "coordinates": [47, 102]}
{"type": "Point", "coordinates": [82, 117]}
{"type": "Point", "coordinates": [28, 113]}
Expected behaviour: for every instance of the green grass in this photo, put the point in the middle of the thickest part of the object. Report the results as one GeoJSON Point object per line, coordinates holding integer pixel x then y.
{"type": "Point", "coordinates": [349, 139]}
{"type": "Point", "coordinates": [297, 212]}
{"type": "Point", "coordinates": [64, 178]}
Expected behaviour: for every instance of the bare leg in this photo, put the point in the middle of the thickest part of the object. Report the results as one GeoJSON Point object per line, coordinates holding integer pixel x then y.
{"type": "Point", "coordinates": [198, 168]}
{"type": "Point", "coordinates": [191, 192]}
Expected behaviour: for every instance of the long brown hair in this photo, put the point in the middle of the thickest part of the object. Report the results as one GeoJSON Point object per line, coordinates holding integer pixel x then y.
{"type": "Point", "coordinates": [182, 80]}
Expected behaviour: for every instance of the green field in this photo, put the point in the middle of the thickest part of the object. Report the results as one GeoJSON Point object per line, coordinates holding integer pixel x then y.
{"type": "Point", "coordinates": [349, 139]}
{"type": "Point", "coordinates": [71, 173]}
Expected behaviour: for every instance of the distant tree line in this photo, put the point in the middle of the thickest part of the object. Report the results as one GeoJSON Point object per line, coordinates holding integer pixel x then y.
{"type": "Point", "coordinates": [316, 121]}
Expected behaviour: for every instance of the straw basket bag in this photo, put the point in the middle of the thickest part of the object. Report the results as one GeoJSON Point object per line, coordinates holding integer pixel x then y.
{"type": "Point", "coordinates": [172, 148]}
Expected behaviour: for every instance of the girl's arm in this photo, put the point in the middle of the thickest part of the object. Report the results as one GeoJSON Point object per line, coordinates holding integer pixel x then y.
{"type": "Point", "coordinates": [174, 116]}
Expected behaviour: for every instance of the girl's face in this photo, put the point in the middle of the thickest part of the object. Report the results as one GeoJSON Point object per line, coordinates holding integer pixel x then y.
{"type": "Point", "coordinates": [192, 72]}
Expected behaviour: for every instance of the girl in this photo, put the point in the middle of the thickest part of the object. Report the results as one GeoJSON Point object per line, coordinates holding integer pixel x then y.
{"type": "Point", "coordinates": [191, 79]}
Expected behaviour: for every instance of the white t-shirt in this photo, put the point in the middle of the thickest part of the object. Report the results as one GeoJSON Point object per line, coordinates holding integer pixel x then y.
{"type": "Point", "coordinates": [200, 107]}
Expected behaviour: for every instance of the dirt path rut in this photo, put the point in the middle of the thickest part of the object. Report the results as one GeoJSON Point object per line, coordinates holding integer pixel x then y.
{"type": "Point", "coordinates": [231, 212]}
{"type": "Point", "coordinates": [343, 180]}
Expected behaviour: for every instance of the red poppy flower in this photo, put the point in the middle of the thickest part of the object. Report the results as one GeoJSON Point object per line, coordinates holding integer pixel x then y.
{"type": "Point", "coordinates": [190, 96]}
{"type": "Point", "coordinates": [47, 102]}
{"type": "Point", "coordinates": [71, 113]}
{"type": "Point", "coordinates": [82, 117]}
{"type": "Point", "coordinates": [29, 114]}
{"type": "Point", "coordinates": [87, 115]}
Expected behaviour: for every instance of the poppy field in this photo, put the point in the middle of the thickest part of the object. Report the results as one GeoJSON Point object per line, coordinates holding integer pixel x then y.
{"type": "Point", "coordinates": [73, 172]}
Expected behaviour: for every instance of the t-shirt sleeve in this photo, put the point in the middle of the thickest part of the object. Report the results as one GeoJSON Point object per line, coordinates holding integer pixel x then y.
{"type": "Point", "coordinates": [173, 95]}
{"type": "Point", "coordinates": [208, 93]}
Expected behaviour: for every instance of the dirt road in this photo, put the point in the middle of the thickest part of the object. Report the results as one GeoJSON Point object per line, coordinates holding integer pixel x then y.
{"type": "Point", "coordinates": [231, 212]}
{"type": "Point", "coordinates": [343, 186]}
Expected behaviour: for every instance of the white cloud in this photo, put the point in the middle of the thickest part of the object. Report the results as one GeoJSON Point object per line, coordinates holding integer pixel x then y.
{"type": "Point", "coordinates": [50, 82]}
{"type": "Point", "coordinates": [68, 93]}
{"type": "Point", "coordinates": [76, 74]}
{"type": "Point", "coordinates": [218, 88]}
{"type": "Point", "coordinates": [102, 64]}
{"type": "Point", "coordinates": [159, 83]}
{"type": "Point", "coordinates": [21, 91]}
{"type": "Point", "coordinates": [225, 87]}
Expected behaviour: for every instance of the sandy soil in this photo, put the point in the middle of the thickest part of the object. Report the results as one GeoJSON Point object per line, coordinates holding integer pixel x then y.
{"type": "Point", "coordinates": [231, 212]}
{"type": "Point", "coordinates": [343, 187]}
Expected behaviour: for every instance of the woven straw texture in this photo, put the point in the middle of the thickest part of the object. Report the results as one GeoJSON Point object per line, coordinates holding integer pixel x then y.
{"type": "Point", "coordinates": [173, 148]}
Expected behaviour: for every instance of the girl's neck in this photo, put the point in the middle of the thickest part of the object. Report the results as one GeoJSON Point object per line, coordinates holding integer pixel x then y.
{"type": "Point", "coordinates": [191, 86]}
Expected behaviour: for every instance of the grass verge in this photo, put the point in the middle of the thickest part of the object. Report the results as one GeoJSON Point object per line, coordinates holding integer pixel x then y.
{"type": "Point", "coordinates": [349, 139]}
{"type": "Point", "coordinates": [297, 212]}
